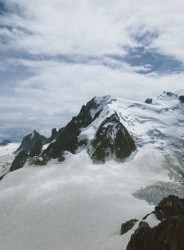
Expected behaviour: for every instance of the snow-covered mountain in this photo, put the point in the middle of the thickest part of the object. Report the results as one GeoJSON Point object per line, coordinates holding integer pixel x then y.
{"type": "Point", "coordinates": [112, 162]}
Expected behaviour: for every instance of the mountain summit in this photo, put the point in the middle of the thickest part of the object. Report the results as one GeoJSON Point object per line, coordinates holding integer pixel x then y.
{"type": "Point", "coordinates": [110, 128]}
{"type": "Point", "coordinates": [111, 139]}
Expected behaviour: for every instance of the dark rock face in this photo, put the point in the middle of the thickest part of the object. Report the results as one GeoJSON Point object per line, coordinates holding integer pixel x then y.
{"type": "Point", "coordinates": [55, 134]}
{"type": "Point", "coordinates": [2, 177]}
{"type": "Point", "coordinates": [32, 144]}
{"type": "Point", "coordinates": [170, 94]}
{"type": "Point", "coordinates": [168, 235]}
{"type": "Point", "coordinates": [125, 227]}
{"type": "Point", "coordinates": [168, 207]}
{"type": "Point", "coordinates": [112, 140]}
{"type": "Point", "coordinates": [181, 98]}
{"type": "Point", "coordinates": [148, 101]}
{"type": "Point", "coordinates": [19, 161]}
{"type": "Point", "coordinates": [68, 137]}
{"type": "Point", "coordinates": [5, 142]}
{"type": "Point", "coordinates": [140, 240]}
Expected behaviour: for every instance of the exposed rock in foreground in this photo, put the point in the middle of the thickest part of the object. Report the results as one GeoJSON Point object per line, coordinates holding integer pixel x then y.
{"type": "Point", "coordinates": [169, 207]}
{"type": "Point", "coordinates": [112, 140]}
{"type": "Point", "coordinates": [168, 235]}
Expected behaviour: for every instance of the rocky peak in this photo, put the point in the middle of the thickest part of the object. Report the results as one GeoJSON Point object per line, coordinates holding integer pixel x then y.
{"type": "Point", "coordinates": [112, 140]}
{"type": "Point", "coordinates": [91, 110]}
{"type": "Point", "coordinates": [54, 134]}
{"type": "Point", "coordinates": [32, 143]}
{"type": "Point", "coordinates": [168, 95]}
{"type": "Point", "coordinates": [68, 138]}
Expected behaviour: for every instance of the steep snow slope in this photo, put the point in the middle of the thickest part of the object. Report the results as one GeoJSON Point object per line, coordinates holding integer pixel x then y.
{"type": "Point", "coordinates": [78, 205]}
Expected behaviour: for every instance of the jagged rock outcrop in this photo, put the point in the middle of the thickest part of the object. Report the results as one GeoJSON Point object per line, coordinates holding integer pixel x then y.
{"type": "Point", "coordinates": [19, 161]}
{"type": "Point", "coordinates": [148, 100]}
{"type": "Point", "coordinates": [181, 98]}
{"type": "Point", "coordinates": [112, 140]}
{"type": "Point", "coordinates": [54, 134]}
{"type": "Point", "coordinates": [168, 95]}
{"type": "Point", "coordinates": [68, 137]}
{"type": "Point", "coordinates": [168, 207]}
{"type": "Point", "coordinates": [5, 142]}
{"type": "Point", "coordinates": [125, 227]}
{"type": "Point", "coordinates": [168, 234]}
{"type": "Point", "coordinates": [32, 144]}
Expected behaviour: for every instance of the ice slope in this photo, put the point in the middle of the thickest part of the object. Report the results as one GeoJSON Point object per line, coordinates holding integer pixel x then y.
{"type": "Point", "coordinates": [7, 156]}
{"type": "Point", "coordinates": [78, 205]}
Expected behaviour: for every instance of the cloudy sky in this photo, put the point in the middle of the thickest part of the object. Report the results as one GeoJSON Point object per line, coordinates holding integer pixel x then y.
{"type": "Point", "coordinates": [55, 55]}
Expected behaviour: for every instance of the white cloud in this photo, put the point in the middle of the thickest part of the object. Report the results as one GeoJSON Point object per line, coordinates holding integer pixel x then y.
{"type": "Point", "coordinates": [93, 27]}
{"type": "Point", "coordinates": [57, 91]}
{"type": "Point", "coordinates": [52, 91]}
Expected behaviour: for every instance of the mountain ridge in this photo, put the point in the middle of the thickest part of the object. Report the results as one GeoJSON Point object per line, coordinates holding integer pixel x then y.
{"type": "Point", "coordinates": [70, 202]}
{"type": "Point", "coordinates": [82, 132]}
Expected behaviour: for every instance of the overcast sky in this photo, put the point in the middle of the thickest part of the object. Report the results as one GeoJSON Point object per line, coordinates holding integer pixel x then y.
{"type": "Point", "coordinates": [55, 55]}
